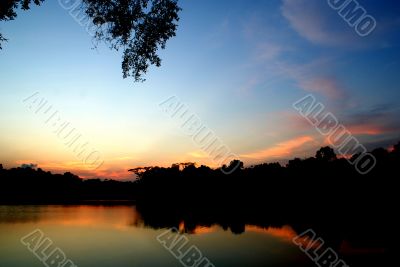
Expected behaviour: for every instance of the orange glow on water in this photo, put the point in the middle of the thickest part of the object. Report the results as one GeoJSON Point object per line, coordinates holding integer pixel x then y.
{"type": "Point", "coordinates": [285, 233]}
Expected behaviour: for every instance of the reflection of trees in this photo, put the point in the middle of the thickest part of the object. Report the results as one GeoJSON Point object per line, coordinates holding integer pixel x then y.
{"type": "Point", "coordinates": [20, 214]}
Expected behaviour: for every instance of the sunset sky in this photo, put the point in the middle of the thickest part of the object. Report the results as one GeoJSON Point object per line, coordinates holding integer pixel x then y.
{"type": "Point", "coordinates": [238, 65]}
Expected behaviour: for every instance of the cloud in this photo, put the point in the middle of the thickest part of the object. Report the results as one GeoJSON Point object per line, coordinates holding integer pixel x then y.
{"type": "Point", "coordinates": [281, 150]}
{"type": "Point", "coordinates": [312, 77]}
{"type": "Point", "coordinates": [327, 86]}
{"type": "Point", "coordinates": [292, 121]}
{"type": "Point", "coordinates": [269, 50]}
{"type": "Point", "coordinates": [274, 53]}
{"type": "Point", "coordinates": [376, 120]}
{"type": "Point", "coordinates": [199, 154]}
{"type": "Point", "coordinates": [385, 142]}
{"type": "Point", "coordinates": [316, 22]}
{"type": "Point", "coordinates": [367, 129]}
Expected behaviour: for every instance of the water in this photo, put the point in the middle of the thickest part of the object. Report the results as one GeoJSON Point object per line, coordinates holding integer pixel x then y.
{"type": "Point", "coordinates": [100, 236]}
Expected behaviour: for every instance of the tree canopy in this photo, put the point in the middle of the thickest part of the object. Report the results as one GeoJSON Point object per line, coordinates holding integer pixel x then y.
{"type": "Point", "coordinates": [326, 153]}
{"type": "Point", "coordinates": [8, 10]}
{"type": "Point", "coordinates": [138, 27]}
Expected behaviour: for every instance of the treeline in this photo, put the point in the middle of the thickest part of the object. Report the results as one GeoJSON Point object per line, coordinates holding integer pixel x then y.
{"type": "Point", "coordinates": [323, 187]}
{"type": "Point", "coordinates": [26, 185]}
{"type": "Point", "coordinates": [310, 179]}
{"type": "Point", "coordinates": [324, 178]}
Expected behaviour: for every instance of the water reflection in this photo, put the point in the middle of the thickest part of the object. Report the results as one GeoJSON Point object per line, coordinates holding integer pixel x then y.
{"type": "Point", "coordinates": [118, 236]}
{"type": "Point", "coordinates": [123, 236]}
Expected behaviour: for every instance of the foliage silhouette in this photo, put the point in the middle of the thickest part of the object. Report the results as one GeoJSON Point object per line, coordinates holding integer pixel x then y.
{"type": "Point", "coordinates": [8, 11]}
{"type": "Point", "coordinates": [140, 28]}
{"type": "Point", "coordinates": [326, 154]}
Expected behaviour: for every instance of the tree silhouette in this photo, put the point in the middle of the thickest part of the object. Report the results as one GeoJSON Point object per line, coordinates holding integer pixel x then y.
{"type": "Point", "coordinates": [234, 166]}
{"type": "Point", "coordinates": [183, 165]}
{"type": "Point", "coordinates": [2, 39]}
{"type": "Point", "coordinates": [326, 154]}
{"type": "Point", "coordinates": [8, 11]}
{"type": "Point", "coordinates": [396, 149]}
{"type": "Point", "coordinates": [138, 27]}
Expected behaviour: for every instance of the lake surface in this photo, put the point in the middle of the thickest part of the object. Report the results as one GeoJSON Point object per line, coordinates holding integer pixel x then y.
{"type": "Point", "coordinates": [100, 236]}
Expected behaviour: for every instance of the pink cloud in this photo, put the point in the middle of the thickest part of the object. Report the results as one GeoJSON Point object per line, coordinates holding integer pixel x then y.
{"type": "Point", "coordinates": [280, 150]}
{"type": "Point", "coordinates": [312, 77]}
{"type": "Point", "coordinates": [327, 86]}
{"type": "Point", "coordinates": [369, 129]}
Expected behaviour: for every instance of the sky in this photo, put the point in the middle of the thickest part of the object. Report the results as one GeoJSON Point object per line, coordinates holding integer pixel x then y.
{"type": "Point", "coordinates": [237, 65]}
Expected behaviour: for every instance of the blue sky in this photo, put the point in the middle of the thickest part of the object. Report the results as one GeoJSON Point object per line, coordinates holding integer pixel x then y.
{"type": "Point", "coordinates": [238, 65]}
